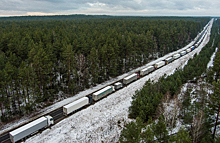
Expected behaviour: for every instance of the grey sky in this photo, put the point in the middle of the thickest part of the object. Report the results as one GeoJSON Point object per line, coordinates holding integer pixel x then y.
{"type": "Point", "coordinates": [111, 7]}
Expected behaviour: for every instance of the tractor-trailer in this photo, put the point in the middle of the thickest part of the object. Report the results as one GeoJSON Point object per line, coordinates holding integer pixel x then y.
{"type": "Point", "coordinates": [118, 85]}
{"type": "Point", "coordinates": [103, 92]}
{"type": "Point", "coordinates": [67, 109]}
{"type": "Point", "coordinates": [147, 70]}
{"type": "Point", "coordinates": [176, 56]}
{"type": "Point", "coordinates": [130, 78]}
{"type": "Point", "coordinates": [169, 60]}
{"type": "Point", "coordinates": [188, 50]}
{"type": "Point", "coordinates": [196, 45]}
{"type": "Point", "coordinates": [30, 128]}
{"type": "Point", "coordinates": [183, 53]}
{"type": "Point", "coordinates": [159, 64]}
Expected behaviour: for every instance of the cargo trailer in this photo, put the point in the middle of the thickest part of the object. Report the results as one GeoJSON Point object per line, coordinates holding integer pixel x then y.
{"type": "Point", "coordinates": [147, 70]}
{"type": "Point", "coordinates": [169, 60]}
{"type": "Point", "coordinates": [103, 92]}
{"type": "Point", "coordinates": [130, 78]}
{"type": "Point", "coordinates": [118, 85]}
{"type": "Point", "coordinates": [176, 56]}
{"type": "Point", "coordinates": [183, 53]}
{"type": "Point", "coordinates": [67, 109]}
{"type": "Point", "coordinates": [30, 128]}
{"type": "Point", "coordinates": [196, 45]}
{"type": "Point", "coordinates": [159, 64]}
{"type": "Point", "coordinates": [188, 50]}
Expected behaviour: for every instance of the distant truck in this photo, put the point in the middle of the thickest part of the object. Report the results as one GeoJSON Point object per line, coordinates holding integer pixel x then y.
{"type": "Point", "coordinates": [103, 92]}
{"type": "Point", "coordinates": [188, 50]}
{"type": "Point", "coordinates": [159, 64]}
{"type": "Point", "coordinates": [176, 56]}
{"type": "Point", "coordinates": [183, 53]}
{"type": "Point", "coordinates": [69, 108]}
{"type": "Point", "coordinates": [130, 78]}
{"type": "Point", "coordinates": [169, 60]}
{"type": "Point", "coordinates": [147, 70]}
{"type": "Point", "coordinates": [30, 128]}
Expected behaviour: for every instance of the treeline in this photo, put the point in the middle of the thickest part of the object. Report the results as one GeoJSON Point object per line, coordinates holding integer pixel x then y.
{"type": "Point", "coordinates": [40, 58]}
{"type": "Point", "coordinates": [145, 101]}
{"type": "Point", "coordinates": [106, 17]}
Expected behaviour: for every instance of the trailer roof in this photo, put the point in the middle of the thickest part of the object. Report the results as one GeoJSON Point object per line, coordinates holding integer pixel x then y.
{"type": "Point", "coordinates": [176, 55]}
{"type": "Point", "coordinates": [147, 68]}
{"type": "Point", "coordinates": [102, 90]}
{"type": "Point", "coordinates": [118, 83]}
{"type": "Point", "coordinates": [169, 58]}
{"type": "Point", "coordinates": [130, 76]}
{"type": "Point", "coordinates": [25, 127]}
{"type": "Point", "coordinates": [75, 102]}
{"type": "Point", "coordinates": [183, 52]}
{"type": "Point", "coordinates": [160, 62]}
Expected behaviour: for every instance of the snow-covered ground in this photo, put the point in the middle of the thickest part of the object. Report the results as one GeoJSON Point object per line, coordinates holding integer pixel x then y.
{"type": "Point", "coordinates": [103, 121]}
{"type": "Point", "coordinates": [210, 64]}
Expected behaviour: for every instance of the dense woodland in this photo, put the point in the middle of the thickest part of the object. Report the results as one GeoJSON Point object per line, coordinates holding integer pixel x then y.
{"type": "Point", "coordinates": [41, 56]}
{"type": "Point", "coordinates": [145, 103]}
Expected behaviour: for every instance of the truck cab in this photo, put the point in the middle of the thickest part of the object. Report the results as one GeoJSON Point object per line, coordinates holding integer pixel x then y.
{"type": "Point", "coordinates": [113, 88]}
{"type": "Point", "coordinates": [137, 75]}
{"type": "Point", "coordinates": [49, 120]}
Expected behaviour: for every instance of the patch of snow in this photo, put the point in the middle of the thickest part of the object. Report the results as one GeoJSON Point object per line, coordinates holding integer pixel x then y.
{"type": "Point", "coordinates": [210, 64]}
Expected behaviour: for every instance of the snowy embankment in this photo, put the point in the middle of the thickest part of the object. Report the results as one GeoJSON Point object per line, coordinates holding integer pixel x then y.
{"type": "Point", "coordinates": [103, 121]}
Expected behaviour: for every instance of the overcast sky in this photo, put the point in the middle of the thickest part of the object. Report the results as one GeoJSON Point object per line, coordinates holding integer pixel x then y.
{"type": "Point", "coordinates": [111, 7]}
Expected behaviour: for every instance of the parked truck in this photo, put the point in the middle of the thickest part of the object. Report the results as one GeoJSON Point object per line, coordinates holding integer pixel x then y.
{"type": "Point", "coordinates": [147, 70]}
{"type": "Point", "coordinates": [67, 109]}
{"type": "Point", "coordinates": [183, 53]}
{"type": "Point", "coordinates": [159, 64]}
{"type": "Point", "coordinates": [188, 50]}
{"type": "Point", "coordinates": [176, 56]}
{"type": "Point", "coordinates": [30, 128]}
{"type": "Point", "coordinates": [130, 78]}
{"type": "Point", "coordinates": [103, 92]}
{"type": "Point", "coordinates": [169, 60]}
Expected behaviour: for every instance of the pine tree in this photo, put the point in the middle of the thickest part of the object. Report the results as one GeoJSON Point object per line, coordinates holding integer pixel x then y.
{"type": "Point", "coordinates": [181, 137]}
{"type": "Point", "coordinates": [160, 129]}
{"type": "Point", "coordinates": [132, 132]}
{"type": "Point", "coordinates": [215, 102]}
{"type": "Point", "coordinates": [94, 61]}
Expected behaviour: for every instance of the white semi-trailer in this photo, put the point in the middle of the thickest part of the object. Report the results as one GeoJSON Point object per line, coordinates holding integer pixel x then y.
{"type": "Point", "coordinates": [176, 56]}
{"type": "Point", "coordinates": [159, 64]}
{"type": "Point", "coordinates": [67, 109]}
{"type": "Point", "coordinates": [183, 53]}
{"type": "Point", "coordinates": [147, 70]}
{"type": "Point", "coordinates": [188, 50]}
{"type": "Point", "coordinates": [103, 92]}
{"type": "Point", "coordinates": [30, 128]}
{"type": "Point", "coordinates": [169, 60]}
{"type": "Point", "coordinates": [130, 78]}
